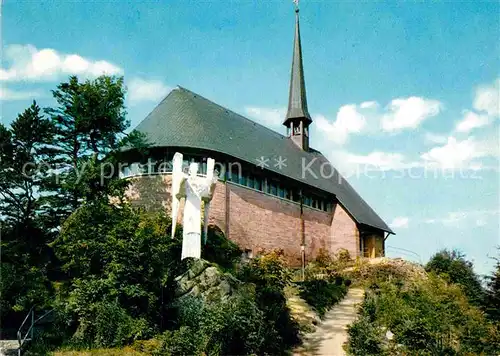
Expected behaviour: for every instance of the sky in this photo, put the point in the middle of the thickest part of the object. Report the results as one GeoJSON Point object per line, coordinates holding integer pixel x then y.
{"type": "Point", "coordinates": [404, 96]}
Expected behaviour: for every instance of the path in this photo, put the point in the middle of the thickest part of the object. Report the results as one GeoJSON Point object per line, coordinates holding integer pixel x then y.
{"type": "Point", "coordinates": [331, 334]}
{"type": "Point", "coordinates": [8, 347]}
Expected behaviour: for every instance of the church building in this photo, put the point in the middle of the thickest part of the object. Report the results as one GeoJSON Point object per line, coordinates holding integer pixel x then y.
{"type": "Point", "coordinates": [274, 191]}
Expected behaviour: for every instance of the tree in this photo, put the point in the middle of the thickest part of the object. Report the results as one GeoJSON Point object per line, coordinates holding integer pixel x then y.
{"type": "Point", "coordinates": [25, 254]}
{"type": "Point", "coordinates": [118, 259]}
{"type": "Point", "coordinates": [90, 128]}
{"type": "Point", "coordinates": [492, 295]}
{"type": "Point", "coordinates": [456, 269]}
{"type": "Point", "coordinates": [23, 150]}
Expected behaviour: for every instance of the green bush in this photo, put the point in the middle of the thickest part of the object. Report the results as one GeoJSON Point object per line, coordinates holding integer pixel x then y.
{"type": "Point", "coordinates": [365, 338]}
{"type": "Point", "coordinates": [234, 327]}
{"type": "Point", "coordinates": [220, 250]}
{"type": "Point", "coordinates": [322, 294]}
{"type": "Point", "coordinates": [427, 317]}
{"type": "Point", "coordinates": [270, 276]}
{"type": "Point", "coordinates": [109, 326]}
{"type": "Point", "coordinates": [183, 341]}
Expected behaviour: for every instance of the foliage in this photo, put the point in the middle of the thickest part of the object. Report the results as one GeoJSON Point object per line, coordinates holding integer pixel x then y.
{"type": "Point", "coordinates": [235, 327]}
{"type": "Point", "coordinates": [326, 265]}
{"type": "Point", "coordinates": [25, 255]}
{"type": "Point", "coordinates": [492, 294]}
{"type": "Point", "coordinates": [48, 167]}
{"type": "Point", "coordinates": [220, 250]}
{"type": "Point", "coordinates": [322, 293]}
{"type": "Point", "coordinates": [89, 129]}
{"type": "Point", "coordinates": [110, 326]}
{"type": "Point", "coordinates": [269, 274]}
{"type": "Point", "coordinates": [367, 273]}
{"type": "Point", "coordinates": [267, 270]}
{"type": "Point", "coordinates": [117, 255]}
{"type": "Point", "coordinates": [453, 266]}
{"type": "Point", "coordinates": [430, 316]}
{"type": "Point", "coordinates": [23, 149]}
{"type": "Point", "coordinates": [365, 338]}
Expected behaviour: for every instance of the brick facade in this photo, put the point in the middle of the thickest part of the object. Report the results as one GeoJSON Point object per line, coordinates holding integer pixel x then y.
{"type": "Point", "coordinates": [257, 221]}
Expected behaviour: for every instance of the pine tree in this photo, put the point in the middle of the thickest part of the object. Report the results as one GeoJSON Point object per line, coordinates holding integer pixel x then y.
{"type": "Point", "coordinates": [25, 254]}
{"type": "Point", "coordinates": [24, 149]}
{"type": "Point", "coordinates": [492, 298]}
{"type": "Point", "coordinates": [453, 266]}
{"type": "Point", "coordinates": [90, 127]}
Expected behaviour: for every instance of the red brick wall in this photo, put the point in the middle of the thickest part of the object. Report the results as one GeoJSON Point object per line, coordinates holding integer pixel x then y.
{"type": "Point", "coordinates": [258, 221]}
{"type": "Point", "coordinates": [344, 232]}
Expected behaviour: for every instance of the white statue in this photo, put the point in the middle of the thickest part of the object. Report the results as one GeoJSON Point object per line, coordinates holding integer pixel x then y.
{"type": "Point", "coordinates": [195, 188]}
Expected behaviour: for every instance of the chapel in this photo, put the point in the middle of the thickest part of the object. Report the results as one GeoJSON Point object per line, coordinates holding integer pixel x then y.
{"type": "Point", "coordinates": [275, 191]}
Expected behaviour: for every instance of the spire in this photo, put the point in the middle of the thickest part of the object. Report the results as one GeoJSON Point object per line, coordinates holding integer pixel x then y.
{"type": "Point", "coordinates": [297, 102]}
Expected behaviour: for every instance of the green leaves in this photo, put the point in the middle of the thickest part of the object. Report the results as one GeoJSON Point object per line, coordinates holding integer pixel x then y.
{"type": "Point", "coordinates": [453, 266]}
{"type": "Point", "coordinates": [430, 316]}
{"type": "Point", "coordinates": [322, 294]}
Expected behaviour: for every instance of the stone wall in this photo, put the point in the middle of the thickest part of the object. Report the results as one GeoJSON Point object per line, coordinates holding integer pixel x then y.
{"type": "Point", "coordinates": [258, 221]}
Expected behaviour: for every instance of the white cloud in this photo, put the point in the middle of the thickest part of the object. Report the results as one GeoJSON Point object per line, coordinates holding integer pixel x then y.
{"type": "Point", "coordinates": [486, 108]}
{"type": "Point", "coordinates": [349, 120]}
{"type": "Point", "coordinates": [434, 138]}
{"type": "Point", "coordinates": [267, 116]}
{"type": "Point", "coordinates": [457, 154]}
{"type": "Point", "coordinates": [471, 121]}
{"type": "Point", "coordinates": [368, 105]}
{"type": "Point", "coordinates": [400, 114]}
{"type": "Point", "coordinates": [400, 222]}
{"type": "Point", "coordinates": [147, 90]}
{"type": "Point", "coordinates": [408, 113]}
{"type": "Point", "coordinates": [7, 94]}
{"type": "Point", "coordinates": [27, 63]}
{"type": "Point", "coordinates": [355, 164]}
{"type": "Point", "coordinates": [487, 99]}
{"type": "Point", "coordinates": [457, 218]}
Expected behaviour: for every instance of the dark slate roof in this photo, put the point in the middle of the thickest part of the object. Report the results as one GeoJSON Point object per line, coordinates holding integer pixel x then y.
{"type": "Point", "coordinates": [186, 119]}
{"type": "Point", "coordinates": [297, 100]}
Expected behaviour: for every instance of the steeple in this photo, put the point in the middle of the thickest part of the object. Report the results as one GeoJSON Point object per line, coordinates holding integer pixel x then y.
{"type": "Point", "coordinates": [297, 118]}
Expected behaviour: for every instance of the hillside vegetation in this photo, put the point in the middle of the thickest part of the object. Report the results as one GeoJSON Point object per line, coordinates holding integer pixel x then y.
{"type": "Point", "coordinates": [439, 312]}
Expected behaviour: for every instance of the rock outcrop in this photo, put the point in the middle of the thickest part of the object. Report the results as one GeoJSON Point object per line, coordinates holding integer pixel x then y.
{"type": "Point", "coordinates": [207, 281]}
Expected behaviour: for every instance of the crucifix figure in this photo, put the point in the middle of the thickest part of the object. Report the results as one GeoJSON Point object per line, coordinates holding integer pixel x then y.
{"type": "Point", "coordinates": [195, 189]}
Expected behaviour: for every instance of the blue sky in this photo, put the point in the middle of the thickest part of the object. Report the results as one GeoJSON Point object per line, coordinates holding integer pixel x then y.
{"type": "Point", "coordinates": [396, 89]}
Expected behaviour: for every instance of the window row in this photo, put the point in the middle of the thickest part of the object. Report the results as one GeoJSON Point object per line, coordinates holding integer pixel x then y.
{"type": "Point", "coordinates": [236, 174]}
{"type": "Point", "coordinates": [277, 188]}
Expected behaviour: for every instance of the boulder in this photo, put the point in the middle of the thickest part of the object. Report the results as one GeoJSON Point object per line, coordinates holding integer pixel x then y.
{"type": "Point", "coordinates": [205, 280]}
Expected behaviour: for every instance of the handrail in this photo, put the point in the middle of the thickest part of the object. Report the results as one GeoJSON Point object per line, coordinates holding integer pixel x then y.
{"type": "Point", "coordinates": [22, 324]}
{"type": "Point", "coordinates": [20, 339]}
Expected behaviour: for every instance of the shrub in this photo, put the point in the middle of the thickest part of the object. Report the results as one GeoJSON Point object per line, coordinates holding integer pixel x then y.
{"type": "Point", "coordinates": [234, 327]}
{"type": "Point", "coordinates": [428, 316]}
{"type": "Point", "coordinates": [115, 254]}
{"type": "Point", "coordinates": [270, 276]}
{"type": "Point", "coordinates": [183, 341]}
{"type": "Point", "coordinates": [111, 326]}
{"type": "Point", "coordinates": [322, 294]}
{"type": "Point", "coordinates": [326, 265]}
{"type": "Point", "coordinates": [219, 249]}
{"type": "Point", "coordinates": [365, 338]}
